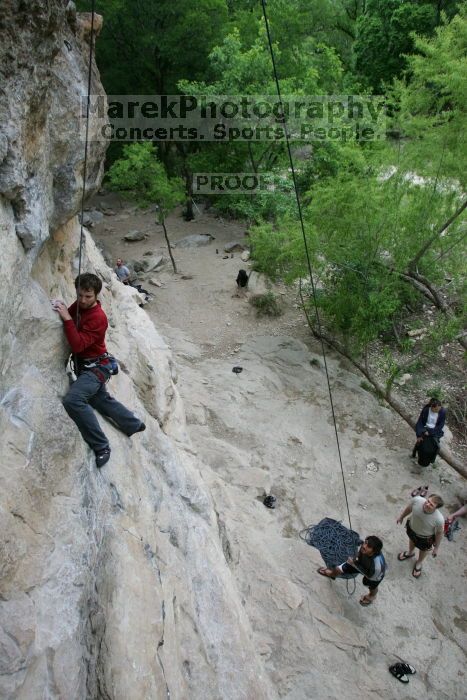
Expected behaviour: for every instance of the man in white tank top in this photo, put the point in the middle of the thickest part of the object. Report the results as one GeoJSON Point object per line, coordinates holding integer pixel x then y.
{"type": "Point", "coordinates": [425, 529]}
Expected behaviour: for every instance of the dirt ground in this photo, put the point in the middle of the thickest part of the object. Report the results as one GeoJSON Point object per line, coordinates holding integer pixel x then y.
{"type": "Point", "coordinates": [201, 298]}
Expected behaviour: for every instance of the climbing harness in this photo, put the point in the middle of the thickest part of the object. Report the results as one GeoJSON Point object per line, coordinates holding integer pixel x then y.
{"type": "Point", "coordinates": [105, 360]}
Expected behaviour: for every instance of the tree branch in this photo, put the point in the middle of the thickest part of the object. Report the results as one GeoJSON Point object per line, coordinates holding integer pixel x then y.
{"type": "Point", "coordinates": [413, 263]}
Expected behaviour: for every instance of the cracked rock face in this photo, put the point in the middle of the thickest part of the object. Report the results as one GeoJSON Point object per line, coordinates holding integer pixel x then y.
{"type": "Point", "coordinates": [43, 73]}
{"type": "Point", "coordinates": [113, 584]}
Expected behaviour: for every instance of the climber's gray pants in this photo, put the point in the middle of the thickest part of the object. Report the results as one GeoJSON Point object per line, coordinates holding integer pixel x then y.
{"type": "Point", "coordinates": [89, 392]}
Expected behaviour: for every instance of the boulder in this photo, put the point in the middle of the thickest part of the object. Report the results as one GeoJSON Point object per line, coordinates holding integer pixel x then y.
{"type": "Point", "coordinates": [92, 217]}
{"type": "Point", "coordinates": [235, 246]}
{"type": "Point", "coordinates": [154, 263]}
{"type": "Point", "coordinates": [137, 266]}
{"type": "Point", "coordinates": [401, 381]}
{"type": "Point", "coordinates": [258, 283]}
{"type": "Point", "coordinates": [135, 235]}
{"type": "Point", "coordinates": [194, 241]}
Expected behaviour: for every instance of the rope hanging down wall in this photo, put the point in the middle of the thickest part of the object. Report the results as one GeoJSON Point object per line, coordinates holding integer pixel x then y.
{"type": "Point", "coordinates": [299, 208]}
{"type": "Point", "coordinates": [85, 165]}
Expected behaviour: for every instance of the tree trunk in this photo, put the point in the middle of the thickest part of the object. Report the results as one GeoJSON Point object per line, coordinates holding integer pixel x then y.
{"type": "Point", "coordinates": [425, 287]}
{"type": "Point", "coordinates": [189, 213]}
{"type": "Point", "coordinates": [169, 247]}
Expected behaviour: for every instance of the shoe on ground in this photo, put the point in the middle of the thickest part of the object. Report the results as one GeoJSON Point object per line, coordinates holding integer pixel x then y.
{"type": "Point", "coordinates": [102, 457]}
{"type": "Point", "coordinates": [141, 428]}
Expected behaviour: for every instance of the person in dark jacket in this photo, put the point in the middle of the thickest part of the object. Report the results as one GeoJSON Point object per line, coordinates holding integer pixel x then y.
{"type": "Point", "coordinates": [429, 431]}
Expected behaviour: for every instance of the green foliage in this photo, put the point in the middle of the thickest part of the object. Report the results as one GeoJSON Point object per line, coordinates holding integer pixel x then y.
{"type": "Point", "coordinates": [266, 304]}
{"type": "Point", "coordinates": [435, 392]}
{"type": "Point", "coordinates": [146, 47]}
{"type": "Point", "coordinates": [141, 177]}
{"type": "Point", "coordinates": [384, 36]}
{"type": "Point", "coordinates": [432, 107]}
{"type": "Point", "coordinates": [277, 249]}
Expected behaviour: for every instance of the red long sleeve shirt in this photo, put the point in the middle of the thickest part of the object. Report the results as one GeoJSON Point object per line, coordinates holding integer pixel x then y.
{"type": "Point", "coordinates": [88, 339]}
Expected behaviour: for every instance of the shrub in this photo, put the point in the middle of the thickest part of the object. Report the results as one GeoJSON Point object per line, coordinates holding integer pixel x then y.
{"type": "Point", "coordinates": [266, 304]}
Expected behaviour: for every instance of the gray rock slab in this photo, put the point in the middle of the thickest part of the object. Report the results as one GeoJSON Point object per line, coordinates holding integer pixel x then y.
{"type": "Point", "coordinates": [194, 241]}
{"type": "Point", "coordinates": [235, 246]}
{"type": "Point", "coordinates": [133, 236]}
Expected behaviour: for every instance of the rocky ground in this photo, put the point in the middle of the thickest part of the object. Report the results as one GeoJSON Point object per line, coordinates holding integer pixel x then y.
{"type": "Point", "coordinates": [269, 430]}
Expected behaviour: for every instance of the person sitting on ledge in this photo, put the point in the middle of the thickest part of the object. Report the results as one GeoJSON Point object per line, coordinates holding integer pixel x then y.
{"type": "Point", "coordinates": [85, 333]}
{"type": "Point", "coordinates": [124, 275]}
{"type": "Point", "coordinates": [429, 431]}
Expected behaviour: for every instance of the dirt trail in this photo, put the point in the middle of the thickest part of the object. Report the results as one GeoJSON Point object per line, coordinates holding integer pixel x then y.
{"type": "Point", "coordinates": [200, 300]}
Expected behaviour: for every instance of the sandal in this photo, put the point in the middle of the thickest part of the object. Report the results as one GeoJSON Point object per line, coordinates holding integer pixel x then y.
{"type": "Point", "coordinates": [406, 668]}
{"type": "Point", "coordinates": [397, 672]}
{"type": "Point", "coordinates": [322, 570]}
{"type": "Point", "coordinates": [402, 556]}
{"type": "Point", "coordinates": [416, 573]}
{"type": "Point", "coordinates": [420, 491]}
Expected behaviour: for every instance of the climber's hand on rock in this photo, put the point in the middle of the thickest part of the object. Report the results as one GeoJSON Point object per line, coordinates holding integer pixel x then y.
{"type": "Point", "coordinates": [60, 307]}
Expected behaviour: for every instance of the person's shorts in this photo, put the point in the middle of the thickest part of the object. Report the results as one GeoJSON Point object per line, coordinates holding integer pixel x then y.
{"type": "Point", "coordinates": [422, 543]}
{"type": "Point", "coordinates": [349, 569]}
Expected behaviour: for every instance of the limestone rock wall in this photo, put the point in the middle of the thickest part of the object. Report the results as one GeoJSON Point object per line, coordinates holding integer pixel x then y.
{"type": "Point", "coordinates": [43, 75]}
{"type": "Point", "coordinates": [113, 584]}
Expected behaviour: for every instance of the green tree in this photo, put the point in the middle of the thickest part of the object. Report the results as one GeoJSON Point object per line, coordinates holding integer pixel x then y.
{"type": "Point", "coordinates": [240, 69]}
{"type": "Point", "coordinates": [145, 47]}
{"type": "Point", "coordinates": [384, 36]}
{"type": "Point", "coordinates": [141, 177]}
{"type": "Point", "coordinates": [390, 231]}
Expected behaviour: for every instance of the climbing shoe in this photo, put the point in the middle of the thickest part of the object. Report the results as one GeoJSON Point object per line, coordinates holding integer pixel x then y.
{"type": "Point", "coordinates": [102, 457]}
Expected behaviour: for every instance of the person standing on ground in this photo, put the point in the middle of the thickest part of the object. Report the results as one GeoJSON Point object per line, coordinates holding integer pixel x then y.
{"type": "Point", "coordinates": [86, 337]}
{"type": "Point", "coordinates": [429, 431]}
{"type": "Point", "coordinates": [369, 561]}
{"type": "Point", "coordinates": [425, 529]}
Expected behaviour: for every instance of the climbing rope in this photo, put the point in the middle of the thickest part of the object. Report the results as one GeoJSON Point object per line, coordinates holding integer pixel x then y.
{"type": "Point", "coordinates": [335, 543]}
{"type": "Point", "coordinates": [85, 165]}
{"type": "Point", "coordinates": [299, 208]}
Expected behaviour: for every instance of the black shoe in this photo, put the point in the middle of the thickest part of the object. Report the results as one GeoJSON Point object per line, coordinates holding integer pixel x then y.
{"type": "Point", "coordinates": [140, 429]}
{"type": "Point", "coordinates": [102, 457]}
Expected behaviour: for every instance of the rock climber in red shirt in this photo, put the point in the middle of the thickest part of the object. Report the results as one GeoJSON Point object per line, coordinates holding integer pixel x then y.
{"type": "Point", "coordinates": [85, 332]}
